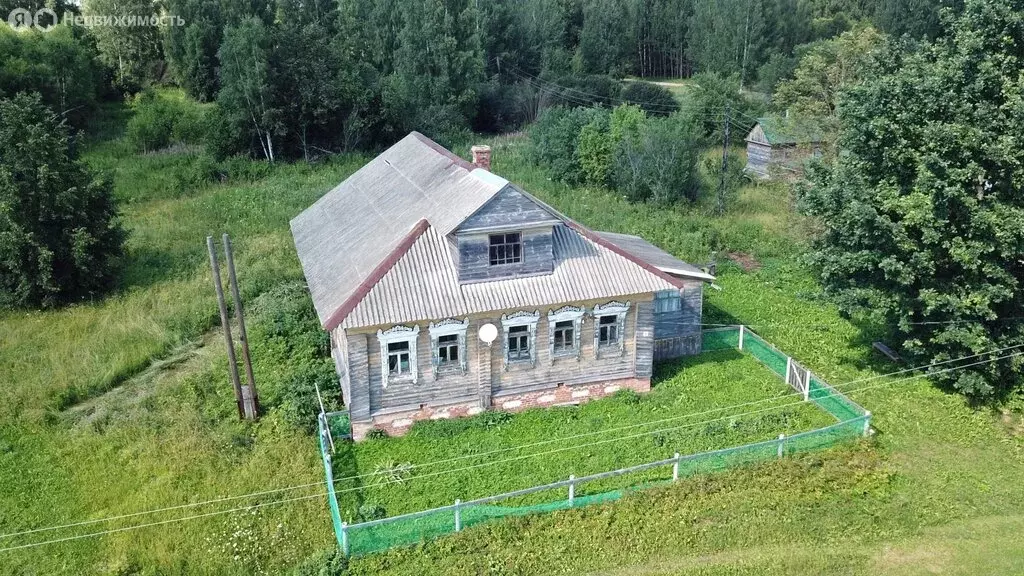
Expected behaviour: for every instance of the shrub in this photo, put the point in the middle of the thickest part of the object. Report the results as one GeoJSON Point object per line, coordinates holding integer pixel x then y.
{"type": "Point", "coordinates": [371, 511]}
{"type": "Point", "coordinates": [330, 562]}
{"type": "Point", "coordinates": [376, 434]}
{"type": "Point", "coordinates": [584, 90]}
{"type": "Point", "coordinates": [659, 163]}
{"type": "Point", "coordinates": [505, 107]}
{"type": "Point", "coordinates": [159, 121]}
{"type": "Point", "coordinates": [555, 137]}
{"type": "Point", "coordinates": [60, 237]}
{"type": "Point", "coordinates": [653, 99]}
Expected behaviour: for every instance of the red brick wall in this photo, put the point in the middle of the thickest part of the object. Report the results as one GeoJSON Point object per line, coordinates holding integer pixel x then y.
{"type": "Point", "coordinates": [399, 423]}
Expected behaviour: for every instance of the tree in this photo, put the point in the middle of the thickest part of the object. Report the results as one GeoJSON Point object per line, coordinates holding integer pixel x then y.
{"type": "Point", "coordinates": [60, 239]}
{"type": "Point", "coordinates": [828, 68]}
{"type": "Point", "coordinates": [922, 213]}
{"type": "Point", "coordinates": [191, 49]}
{"type": "Point", "coordinates": [727, 37]}
{"type": "Point", "coordinates": [600, 138]}
{"type": "Point", "coordinates": [58, 64]}
{"type": "Point", "coordinates": [659, 161]}
{"type": "Point", "coordinates": [654, 99]}
{"type": "Point", "coordinates": [604, 39]}
{"type": "Point", "coordinates": [712, 95]}
{"type": "Point", "coordinates": [130, 51]}
{"type": "Point", "coordinates": [246, 97]}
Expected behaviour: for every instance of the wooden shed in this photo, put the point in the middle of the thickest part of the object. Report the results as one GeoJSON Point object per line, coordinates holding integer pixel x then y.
{"type": "Point", "coordinates": [780, 146]}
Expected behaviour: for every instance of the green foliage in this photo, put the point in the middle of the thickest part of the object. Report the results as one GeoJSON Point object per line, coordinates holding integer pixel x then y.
{"type": "Point", "coordinates": [130, 51]}
{"type": "Point", "coordinates": [921, 214]}
{"type": "Point", "coordinates": [191, 49]}
{"type": "Point", "coordinates": [727, 37]}
{"type": "Point", "coordinates": [330, 562]}
{"type": "Point", "coordinates": [58, 64]}
{"type": "Point", "coordinates": [727, 182]}
{"type": "Point", "coordinates": [711, 96]}
{"type": "Point", "coordinates": [826, 69]}
{"type": "Point", "coordinates": [160, 120]}
{"type": "Point", "coordinates": [582, 90]}
{"type": "Point", "coordinates": [659, 163]}
{"type": "Point", "coordinates": [60, 238]}
{"type": "Point", "coordinates": [376, 434]}
{"type": "Point", "coordinates": [555, 138]}
{"type": "Point", "coordinates": [653, 99]}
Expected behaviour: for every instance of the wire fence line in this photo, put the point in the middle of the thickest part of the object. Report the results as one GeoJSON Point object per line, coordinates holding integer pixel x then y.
{"type": "Point", "coordinates": [405, 529]}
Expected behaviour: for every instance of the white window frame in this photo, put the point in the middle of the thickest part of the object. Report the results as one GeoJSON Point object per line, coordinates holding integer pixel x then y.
{"type": "Point", "coordinates": [565, 314]}
{"type": "Point", "coordinates": [521, 318]}
{"type": "Point", "coordinates": [617, 309]}
{"type": "Point", "coordinates": [447, 327]}
{"type": "Point", "coordinates": [393, 335]}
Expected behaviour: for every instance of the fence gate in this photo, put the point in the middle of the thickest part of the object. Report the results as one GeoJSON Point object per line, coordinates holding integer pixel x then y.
{"type": "Point", "coordinates": [798, 377]}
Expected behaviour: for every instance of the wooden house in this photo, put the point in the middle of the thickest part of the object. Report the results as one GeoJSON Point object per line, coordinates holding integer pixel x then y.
{"type": "Point", "coordinates": [448, 290]}
{"type": "Point", "coordinates": [777, 146]}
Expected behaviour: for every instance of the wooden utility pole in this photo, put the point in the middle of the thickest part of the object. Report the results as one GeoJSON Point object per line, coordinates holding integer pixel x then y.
{"type": "Point", "coordinates": [232, 362]}
{"type": "Point", "coordinates": [250, 398]}
{"type": "Point", "coordinates": [720, 205]}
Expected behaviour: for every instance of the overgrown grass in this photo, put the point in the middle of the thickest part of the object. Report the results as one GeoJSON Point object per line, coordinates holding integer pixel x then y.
{"type": "Point", "coordinates": [937, 489]}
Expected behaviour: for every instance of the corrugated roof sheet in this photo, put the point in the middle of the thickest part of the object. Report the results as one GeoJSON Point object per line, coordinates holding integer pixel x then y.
{"type": "Point", "coordinates": [423, 284]}
{"type": "Point", "coordinates": [655, 256]}
{"type": "Point", "coordinates": [343, 237]}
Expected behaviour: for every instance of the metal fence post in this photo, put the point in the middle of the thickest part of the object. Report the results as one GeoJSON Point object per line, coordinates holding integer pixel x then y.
{"type": "Point", "coordinates": [572, 489]}
{"type": "Point", "coordinates": [807, 387]}
{"type": "Point", "coordinates": [675, 468]}
{"type": "Point", "coordinates": [782, 440]}
{"type": "Point", "coordinates": [867, 423]}
{"type": "Point", "coordinates": [344, 537]}
{"type": "Point", "coordinates": [458, 515]}
{"type": "Point", "coordinates": [789, 370]}
{"type": "Point", "coordinates": [741, 337]}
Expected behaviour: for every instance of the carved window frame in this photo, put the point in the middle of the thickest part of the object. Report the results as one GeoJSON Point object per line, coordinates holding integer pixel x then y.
{"type": "Point", "coordinates": [565, 314]}
{"type": "Point", "coordinates": [521, 318]}
{"type": "Point", "coordinates": [447, 327]}
{"type": "Point", "coordinates": [392, 335]}
{"type": "Point", "coordinates": [617, 309]}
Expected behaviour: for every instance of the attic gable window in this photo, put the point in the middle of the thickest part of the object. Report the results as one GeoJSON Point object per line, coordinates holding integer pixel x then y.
{"type": "Point", "coordinates": [506, 248]}
{"type": "Point", "coordinates": [398, 354]}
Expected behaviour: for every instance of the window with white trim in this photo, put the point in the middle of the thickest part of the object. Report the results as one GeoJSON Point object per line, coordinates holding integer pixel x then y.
{"type": "Point", "coordinates": [564, 328]}
{"type": "Point", "coordinates": [520, 337]}
{"type": "Point", "coordinates": [398, 354]}
{"type": "Point", "coordinates": [448, 343]}
{"type": "Point", "coordinates": [610, 328]}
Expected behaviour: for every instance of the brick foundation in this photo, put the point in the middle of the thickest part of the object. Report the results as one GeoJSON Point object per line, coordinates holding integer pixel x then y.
{"type": "Point", "coordinates": [398, 423]}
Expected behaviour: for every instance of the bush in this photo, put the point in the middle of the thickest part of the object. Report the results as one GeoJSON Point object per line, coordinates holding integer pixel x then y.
{"type": "Point", "coordinates": [505, 107]}
{"type": "Point", "coordinates": [653, 99]}
{"type": "Point", "coordinates": [60, 237]}
{"type": "Point", "coordinates": [601, 137]}
{"type": "Point", "coordinates": [330, 562]}
{"type": "Point", "coordinates": [709, 98]}
{"type": "Point", "coordinates": [555, 137]}
{"type": "Point", "coordinates": [376, 434]}
{"type": "Point", "coordinates": [159, 121]}
{"type": "Point", "coordinates": [659, 163]}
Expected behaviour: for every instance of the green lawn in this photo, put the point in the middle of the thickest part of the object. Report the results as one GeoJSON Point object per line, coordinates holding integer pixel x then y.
{"type": "Point", "coordinates": [123, 405]}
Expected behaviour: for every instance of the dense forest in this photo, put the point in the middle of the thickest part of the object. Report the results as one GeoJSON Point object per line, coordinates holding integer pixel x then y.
{"type": "Point", "coordinates": [298, 80]}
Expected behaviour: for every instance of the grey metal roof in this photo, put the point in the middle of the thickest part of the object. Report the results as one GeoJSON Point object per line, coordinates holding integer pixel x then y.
{"type": "Point", "coordinates": [655, 256]}
{"type": "Point", "coordinates": [345, 236]}
{"type": "Point", "coordinates": [423, 284]}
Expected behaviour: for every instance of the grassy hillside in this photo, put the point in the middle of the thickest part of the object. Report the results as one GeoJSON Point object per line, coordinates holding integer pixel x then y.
{"type": "Point", "coordinates": [122, 405]}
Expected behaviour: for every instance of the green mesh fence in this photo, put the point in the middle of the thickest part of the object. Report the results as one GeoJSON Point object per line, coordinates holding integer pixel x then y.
{"type": "Point", "coordinates": [408, 529]}
{"type": "Point", "coordinates": [830, 400]}
{"type": "Point", "coordinates": [768, 355]}
{"type": "Point", "coordinates": [720, 339]}
{"type": "Point", "coordinates": [332, 497]}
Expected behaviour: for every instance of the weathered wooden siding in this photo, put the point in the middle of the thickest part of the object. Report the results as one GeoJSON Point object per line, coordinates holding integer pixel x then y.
{"type": "Point", "coordinates": [486, 375]}
{"type": "Point", "coordinates": [474, 256]}
{"type": "Point", "coordinates": [759, 158]}
{"type": "Point", "coordinates": [509, 209]}
{"type": "Point", "coordinates": [677, 332]}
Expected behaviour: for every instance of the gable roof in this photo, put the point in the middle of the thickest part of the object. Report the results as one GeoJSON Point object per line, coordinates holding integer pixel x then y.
{"type": "Point", "coordinates": [424, 283]}
{"type": "Point", "coordinates": [780, 131]}
{"type": "Point", "coordinates": [655, 256]}
{"type": "Point", "coordinates": [345, 235]}
{"type": "Point", "coordinates": [374, 249]}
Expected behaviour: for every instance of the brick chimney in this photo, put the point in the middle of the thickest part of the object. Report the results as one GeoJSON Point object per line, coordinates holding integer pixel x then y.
{"type": "Point", "coordinates": [482, 156]}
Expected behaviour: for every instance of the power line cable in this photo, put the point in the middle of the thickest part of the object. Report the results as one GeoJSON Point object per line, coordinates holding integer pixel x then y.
{"type": "Point", "coordinates": [511, 448]}
{"type": "Point", "coordinates": [254, 506]}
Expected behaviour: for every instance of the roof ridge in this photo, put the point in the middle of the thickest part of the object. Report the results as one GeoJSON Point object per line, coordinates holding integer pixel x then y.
{"type": "Point", "coordinates": [375, 275]}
